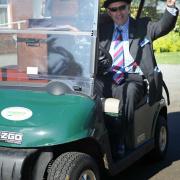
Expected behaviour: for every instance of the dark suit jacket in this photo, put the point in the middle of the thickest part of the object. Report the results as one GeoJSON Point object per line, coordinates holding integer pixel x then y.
{"type": "Point", "coordinates": [139, 30]}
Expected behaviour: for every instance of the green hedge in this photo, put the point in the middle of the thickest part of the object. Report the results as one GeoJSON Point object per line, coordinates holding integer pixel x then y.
{"type": "Point", "coordinates": [177, 28]}
{"type": "Point", "coordinates": [168, 43]}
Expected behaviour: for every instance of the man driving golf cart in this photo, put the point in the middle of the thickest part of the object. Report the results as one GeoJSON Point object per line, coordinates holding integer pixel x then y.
{"type": "Point", "coordinates": [51, 120]}
{"type": "Point", "coordinates": [131, 62]}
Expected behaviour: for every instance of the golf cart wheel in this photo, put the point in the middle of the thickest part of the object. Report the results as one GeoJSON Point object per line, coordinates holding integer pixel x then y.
{"type": "Point", "coordinates": [161, 139]}
{"type": "Point", "coordinates": [74, 166]}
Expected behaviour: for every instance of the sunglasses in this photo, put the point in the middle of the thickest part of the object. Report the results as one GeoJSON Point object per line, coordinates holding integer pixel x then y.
{"type": "Point", "coordinates": [120, 8]}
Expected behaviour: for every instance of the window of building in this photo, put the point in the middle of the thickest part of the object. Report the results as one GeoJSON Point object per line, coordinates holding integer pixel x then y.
{"type": "Point", "coordinates": [3, 12]}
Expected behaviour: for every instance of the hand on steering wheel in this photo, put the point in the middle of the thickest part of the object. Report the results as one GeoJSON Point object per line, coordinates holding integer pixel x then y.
{"type": "Point", "coordinates": [104, 61]}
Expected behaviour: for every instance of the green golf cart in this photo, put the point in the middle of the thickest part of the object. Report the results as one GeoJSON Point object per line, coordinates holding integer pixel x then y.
{"type": "Point", "coordinates": [52, 124]}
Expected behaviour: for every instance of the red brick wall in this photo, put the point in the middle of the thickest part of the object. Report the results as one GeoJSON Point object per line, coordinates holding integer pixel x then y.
{"type": "Point", "coordinates": [7, 44]}
{"type": "Point", "coordinates": [19, 10]}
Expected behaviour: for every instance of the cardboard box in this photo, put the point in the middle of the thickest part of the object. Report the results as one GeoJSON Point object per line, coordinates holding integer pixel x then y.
{"type": "Point", "coordinates": [32, 51]}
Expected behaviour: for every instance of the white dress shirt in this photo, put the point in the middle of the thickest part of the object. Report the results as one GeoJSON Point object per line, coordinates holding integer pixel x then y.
{"type": "Point", "coordinates": [128, 59]}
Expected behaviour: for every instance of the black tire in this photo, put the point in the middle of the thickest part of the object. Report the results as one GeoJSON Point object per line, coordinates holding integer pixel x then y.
{"type": "Point", "coordinates": [71, 165]}
{"type": "Point", "coordinates": [161, 139]}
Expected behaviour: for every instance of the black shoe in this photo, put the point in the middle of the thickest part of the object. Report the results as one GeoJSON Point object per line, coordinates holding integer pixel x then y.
{"type": "Point", "coordinates": [119, 152]}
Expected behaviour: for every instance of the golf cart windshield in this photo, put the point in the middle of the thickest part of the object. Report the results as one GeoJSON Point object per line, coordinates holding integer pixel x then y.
{"type": "Point", "coordinates": [46, 40]}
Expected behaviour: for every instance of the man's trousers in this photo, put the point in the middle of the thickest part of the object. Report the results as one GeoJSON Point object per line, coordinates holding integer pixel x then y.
{"type": "Point", "coordinates": [130, 93]}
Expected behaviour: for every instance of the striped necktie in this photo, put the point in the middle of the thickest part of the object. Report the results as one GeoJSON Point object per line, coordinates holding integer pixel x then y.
{"type": "Point", "coordinates": [118, 58]}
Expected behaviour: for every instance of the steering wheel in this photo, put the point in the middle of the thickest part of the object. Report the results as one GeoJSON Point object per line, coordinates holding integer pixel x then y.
{"type": "Point", "coordinates": [105, 61]}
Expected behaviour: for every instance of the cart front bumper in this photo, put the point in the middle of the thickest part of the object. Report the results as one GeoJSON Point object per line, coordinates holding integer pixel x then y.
{"type": "Point", "coordinates": [12, 163]}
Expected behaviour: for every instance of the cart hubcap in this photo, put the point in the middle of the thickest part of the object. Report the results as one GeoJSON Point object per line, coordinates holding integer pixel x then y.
{"type": "Point", "coordinates": [87, 175]}
{"type": "Point", "coordinates": [163, 139]}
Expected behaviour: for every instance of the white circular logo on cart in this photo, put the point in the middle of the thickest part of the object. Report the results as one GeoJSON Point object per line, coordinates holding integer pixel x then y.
{"type": "Point", "coordinates": [16, 113]}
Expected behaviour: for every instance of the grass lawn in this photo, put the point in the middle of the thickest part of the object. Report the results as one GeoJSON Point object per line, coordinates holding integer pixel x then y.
{"type": "Point", "coordinates": [168, 58]}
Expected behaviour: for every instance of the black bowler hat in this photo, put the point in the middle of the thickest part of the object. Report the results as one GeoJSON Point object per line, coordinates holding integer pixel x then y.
{"type": "Point", "coordinates": [108, 2]}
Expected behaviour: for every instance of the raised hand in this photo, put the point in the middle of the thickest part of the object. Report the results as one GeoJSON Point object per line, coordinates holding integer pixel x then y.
{"type": "Point", "coordinates": [171, 2]}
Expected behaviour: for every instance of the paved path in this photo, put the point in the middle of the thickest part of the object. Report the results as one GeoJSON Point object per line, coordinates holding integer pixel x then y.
{"type": "Point", "coordinates": [171, 75]}
{"type": "Point", "coordinates": [170, 168]}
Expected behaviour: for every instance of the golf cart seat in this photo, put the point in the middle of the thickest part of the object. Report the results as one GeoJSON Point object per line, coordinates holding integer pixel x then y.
{"type": "Point", "coordinates": [111, 105]}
